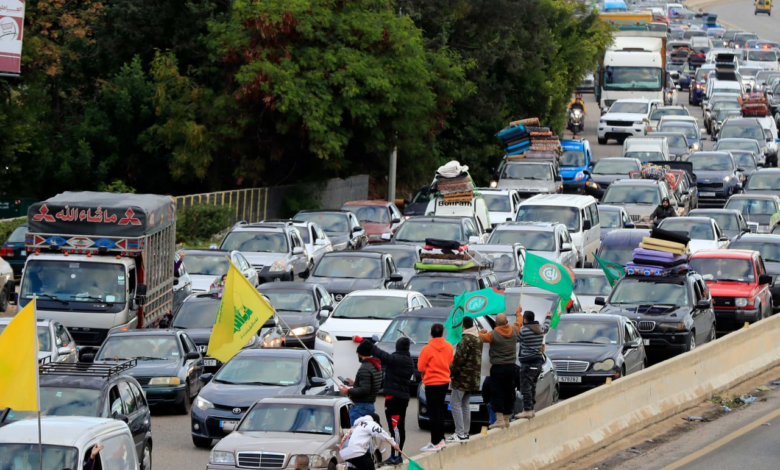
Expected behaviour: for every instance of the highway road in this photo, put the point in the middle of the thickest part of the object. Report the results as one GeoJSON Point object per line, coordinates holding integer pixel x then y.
{"type": "Point", "coordinates": [740, 15]}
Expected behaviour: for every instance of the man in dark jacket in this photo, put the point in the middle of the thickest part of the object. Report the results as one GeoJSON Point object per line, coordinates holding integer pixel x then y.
{"type": "Point", "coordinates": [465, 371]}
{"type": "Point", "coordinates": [531, 339]}
{"type": "Point", "coordinates": [663, 211]}
{"type": "Point", "coordinates": [366, 385]}
{"type": "Point", "coordinates": [503, 368]}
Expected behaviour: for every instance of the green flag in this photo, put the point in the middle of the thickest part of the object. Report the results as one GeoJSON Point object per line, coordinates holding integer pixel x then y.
{"type": "Point", "coordinates": [548, 275]}
{"type": "Point", "coordinates": [613, 271]}
{"type": "Point", "coordinates": [414, 465]}
{"type": "Point", "coordinates": [489, 301]}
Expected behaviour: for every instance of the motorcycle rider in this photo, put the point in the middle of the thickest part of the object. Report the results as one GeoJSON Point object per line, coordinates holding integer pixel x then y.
{"type": "Point", "coordinates": [577, 102]}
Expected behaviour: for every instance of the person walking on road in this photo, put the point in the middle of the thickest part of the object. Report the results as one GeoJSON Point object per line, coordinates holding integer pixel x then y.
{"type": "Point", "coordinates": [356, 444]}
{"type": "Point", "coordinates": [465, 371]}
{"type": "Point", "coordinates": [398, 371]}
{"type": "Point", "coordinates": [503, 369]}
{"type": "Point", "coordinates": [434, 363]}
{"type": "Point", "coordinates": [531, 359]}
{"type": "Point", "coordinates": [367, 383]}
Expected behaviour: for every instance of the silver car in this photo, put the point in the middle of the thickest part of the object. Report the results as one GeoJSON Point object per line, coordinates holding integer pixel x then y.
{"type": "Point", "coordinates": [54, 342]}
{"type": "Point", "coordinates": [207, 266]}
{"type": "Point", "coordinates": [589, 284]}
{"type": "Point", "coordinates": [549, 240]}
{"type": "Point", "coordinates": [275, 249]}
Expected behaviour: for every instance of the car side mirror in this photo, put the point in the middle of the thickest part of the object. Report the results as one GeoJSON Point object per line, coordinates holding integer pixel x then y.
{"type": "Point", "coordinates": [474, 240]}
{"type": "Point", "coordinates": [164, 324]}
{"type": "Point", "coordinates": [587, 225]}
{"type": "Point", "coordinates": [324, 313]}
{"type": "Point", "coordinates": [270, 323]}
{"type": "Point", "coordinates": [357, 229]}
{"type": "Point", "coordinates": [588, 265]}
{"type": "Point", "coordinates": [121, 417]}
{"type": "Point", "coordinates": [703, 303]}
{"type": "Point", "coordinates": [753, 227]}
{"type": "Point", "coordinates": [395, 221]}
{"type": "Point", "coordinates": [140, 294]}
{"type": "Point", "coordinates": [320, 242]}
{"type": "Point", "coordinates": [566, 247]}
{"type": "Point", "coordinates": [764, 279]}
{"type": "Point", "coordinates": [631, 345]}
{"type": "Point", "coordinates": [175, 281]}
{"type": "Point", "coordinates": [558, 178]}
{"type": "Point", "coordinates": [10, 285]}
{"type": "Point", "coordinates": [396, 277]}
{"type": "Point", "coordinates": [740, 169]}
{"type": "Point", "coordinates": [386, 237]}
{"type": "Point", "coordinates": [629, 225]}
{"type": "Point", "coordinates": [63, 351]}
{"type": "Point", "coordinates": [318, 382]}
{"type": "Point", "coordinates": [192, 356]}
{"type": "Point", "coordinates": [297, 250]}
{"type": "Point", "coordinates": [723, 238]}
{"type": "Point", "coordinates": [213, 247]}
{"type": "Point", "coordinates": [600, 301]}
{"type": "Point", "coordinates": [206, 378]}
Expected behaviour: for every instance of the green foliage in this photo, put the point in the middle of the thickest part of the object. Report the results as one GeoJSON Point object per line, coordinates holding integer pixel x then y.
{"type": "Point", "coordinates": [7, 227]}
{"type": "Point", "coordinates": [116, 186]}
{"type": "Point", "coordinates": [300, 197]}
{"type": "Point", "coordinates": [199, 223]}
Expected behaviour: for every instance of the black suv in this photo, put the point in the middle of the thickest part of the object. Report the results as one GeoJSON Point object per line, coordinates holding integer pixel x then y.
{"type": "Point", "coordinates": [441, 287]}
{"type": "Point", "coordinates": [342, 273]}
{"type": "Point", "coordinates": [673, 314]}
{"type": "Point", "coordinates": [97, 391]}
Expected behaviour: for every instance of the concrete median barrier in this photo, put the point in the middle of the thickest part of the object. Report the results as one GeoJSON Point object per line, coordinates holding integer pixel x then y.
{"type": "Point", "coordinates": [588, 422]}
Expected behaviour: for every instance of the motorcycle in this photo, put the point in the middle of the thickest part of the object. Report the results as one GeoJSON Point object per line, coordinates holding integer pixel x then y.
{"type": "Point", "coordinates": [576, 121]}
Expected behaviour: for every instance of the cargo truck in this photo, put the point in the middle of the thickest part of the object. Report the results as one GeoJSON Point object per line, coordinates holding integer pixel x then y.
{"type": "Point", "coordinates": [100, 262]}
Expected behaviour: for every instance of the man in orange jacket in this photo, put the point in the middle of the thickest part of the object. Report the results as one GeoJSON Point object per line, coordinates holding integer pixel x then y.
{"type": "Point", "coordinates": [434, 363]}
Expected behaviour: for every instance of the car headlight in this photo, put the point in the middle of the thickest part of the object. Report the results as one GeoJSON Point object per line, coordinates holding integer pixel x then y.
{"type": "Point", "coordinates": [580, 175]}
{"type": "Point", "coordinates": [315, 461]}
{"type": "Point", "coordinates": [741, 302]}
{"type": "Point", "coordinates": [638, 123]}
{"type": "Point", "coordinates": [670, 327]}
{"type": "Point", "coordinates": [493, 184]}
{"type": "Point", "coordinates": [607, 365]}
{"type": "Point", "coordinates": [278, 266]}
{"type": "Point", "coordinates": [695, 146]}
{"type": "Point", "coordinates": [324, 336]}
{"type": "Point", "coordinates": [592, 185]}
{"type": "Point", "coordinates": [252, 341]}
{"type": "Point", "coordinates": [269, 342]}
{"type": "Point", "coordinates": [165, 381]}
{"type": "Point", "coordinates": [203, 404]}
{"type": "Point", "coordinates": [302, 330]}
{"type": "Point", "coordinates": [220, 457]}
{"type": "Point", "coordinates": [726, 179]}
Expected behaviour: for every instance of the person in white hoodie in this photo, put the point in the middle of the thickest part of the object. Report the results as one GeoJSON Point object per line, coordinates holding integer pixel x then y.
{"type": "Point", "coordinates": [357, 442]}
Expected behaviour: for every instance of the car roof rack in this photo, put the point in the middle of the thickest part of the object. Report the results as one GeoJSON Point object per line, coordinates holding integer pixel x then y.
{"type": "Point", "coordinates": [84, 369]}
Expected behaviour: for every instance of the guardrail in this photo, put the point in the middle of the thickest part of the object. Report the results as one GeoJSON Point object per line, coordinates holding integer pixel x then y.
{"type": "Point", "coordinates": [597, 418]}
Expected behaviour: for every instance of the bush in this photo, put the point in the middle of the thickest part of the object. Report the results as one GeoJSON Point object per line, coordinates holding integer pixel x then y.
{"type": "Point", "coordinates": [199, 223]}
{"type": "Point", "coordinates": [298, 199]}
{"type": "Point", "coordinates": [7, 227]}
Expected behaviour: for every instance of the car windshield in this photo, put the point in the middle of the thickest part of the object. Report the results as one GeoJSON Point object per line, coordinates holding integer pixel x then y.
{"type": "Point", "coordinates": [26, 456]}
{"type": "Point", "coordinates": [288, 300]}
{"type": "Point", "coordinates": [59, 401]}
{"type": "Point", "coordinates": [403, 258]}
{"type": "Point", "coordinates": [763, 182]}
{"type": "Point", "coordinates": [18, 235]}
{"type": "Point", "coordinates": [724, 104]}
{"type": "Point", "coordinates": [632, 194]}
{"type": "Point", "coordinates": [724, 269]}
{"type": "Point", "coordinates": [701, 74]}
{"type": "Point", "coordinates": [539, 302]}
{"type": "Point", "coordinates": [418, 231]}
{"type": "Point", "coordinates": [749, 145]}
{"type": "Point", "coordinates": [661, 112]}
{"type": "Point", "coordinates": [125, 347]}
{"type": "Point", "coordinates": [694, 230]}
{"type": "Point", "coordinates": [746, 161]}
{"type": "Point", "coordinates": [609, 219]}
{"type": "Point", "coordinates": [573, 331]}
{"type": "Point", "coordinates": [591, 285]}
{"type": "Point", "coordinates": [349, 267]}
{"type": "Point", "coordinates": [532, 240]}
{"type": "Point", "coordinates": [527, 171]}
{"type": "Point", "coordinates": [371, 306]}
{"type": "Point", "coordinates": [44, 337]}
{"type": "Point", "coordinates": [633, 78]}
{"type": "Point", "coordinates": [210, 265]}
{"type": "Point", "coordinates": [370, 214]}
{"type": "Point", "coordinates": [502, 262]}
{"type": "Point", "coordinates": [642, 292]}
{"type": "Point", "coordinates": [752, 206]}
{"type": "Point", "coordinates": [569, 216]}
{"type": "Point", "coordinates": [677, 140]}
{"type": "Point", "coordinates": [645, 156]}
{"type": "Point", "coordinates": [74, 281]}
{"type": "Point", "coordinates": [724, 221]}
{"type": "Point", "coordinates": [260, 370]}
{"type": "Point", "coordinates": [725, 89]}
{"type": "Point", "coordinates": [293, 418]}
{"type": "Point", "coordinates": [256, 242]}
{"type": "Point", "coordinates": [497, 202]}
{"type": "Point", "coordinates": [620, 254]}
{"type": "Point", "coordinates": [627, 107]}
{"type": "Point", "coordinates": [762, 56]}
{"type": "Point", "coordinates": [615, 167]}
{"type": "Point", "coordinates": [770, 252]}
{"type": "Point", "coordinates": [742, 132]}
{"type": "Point", "coordinates": [710, 162]}
{"type": "Point", "coordinates": [415, 328]}
{"type": "Point", "coordinates": [442, 286]}
{"type": "Point", "coordinates": [330, 223]}
{"type": "Point", "coordinates": [196, 314]}
{"type": "Point", "coordinates": [723, 113]}
{"type": "Point", "coordinates": [748, 71]}
{"type": "Point", "coordinates": [573, 158]}
{"type": "Point", "coordinates": [689, 131]}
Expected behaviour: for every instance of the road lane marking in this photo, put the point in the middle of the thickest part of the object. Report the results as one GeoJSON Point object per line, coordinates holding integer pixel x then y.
{"type": "Point", "coordinates": [722, 441]}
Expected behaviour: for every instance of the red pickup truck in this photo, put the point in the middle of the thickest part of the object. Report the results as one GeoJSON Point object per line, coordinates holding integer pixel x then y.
{"type": "Point", "coordinates": [739, 285]}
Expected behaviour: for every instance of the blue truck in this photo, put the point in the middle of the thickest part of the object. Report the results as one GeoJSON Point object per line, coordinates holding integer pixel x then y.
{"type": "Point", "coordinates": [576, 162]}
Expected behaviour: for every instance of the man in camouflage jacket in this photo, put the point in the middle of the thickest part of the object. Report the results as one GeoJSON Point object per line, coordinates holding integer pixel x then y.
{"type": "Point", "coordinates": [466, 371]}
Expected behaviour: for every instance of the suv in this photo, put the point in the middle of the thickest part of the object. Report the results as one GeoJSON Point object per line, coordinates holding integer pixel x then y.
{"type": "Point", "coordinates": [377, 217]}
{"type": "Point", "coordinates": [415, 230]}
{"type": "Point", "coordinates": [529, 178]}
{"type": "Point", "coordinates": [55, 344]}
{"type": "Point", "coordinates": [744, 128]}
{"type": "Point", "coordinates": [342, 273]}
{"type": "Point", "coordinates": [549, 240]}
{"type": "Point", "coordinates": [608, 170]}
{"type": "Point", "coordinates": [672, 313]}
{"type": "Point", "coordinates": [96, 391]}
{"type": "Point", "coordinates": [501, 204]}
{"type": "Point", "coordinates": [739, 285]}
{"type": "Point", "coordinates": [756, 208]}
{"type": "Point", "coordinates": [768, 245]}
{"type": "Point", "coordinates": [441, 287]}
{"type": "Point", "coordinates": [717, 177]}
{"type": "Point", "coordinates": [640, 197]}
{"type": "Point", "coordinates": [276, 249]}
{"type": "Point", "coordinates": [342, 227]}
{"type": "Point", "coordinates": [626, 118]}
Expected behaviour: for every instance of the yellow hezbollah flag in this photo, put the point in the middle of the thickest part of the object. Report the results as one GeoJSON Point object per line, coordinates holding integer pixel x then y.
{"type": "Point", "coordinates": [19, 362]}
{"type": "Point", "coordinates": [242, 313]}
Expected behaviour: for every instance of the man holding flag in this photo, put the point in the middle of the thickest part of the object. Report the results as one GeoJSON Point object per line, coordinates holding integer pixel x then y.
{"type": "Point", "coordinates": [531, 339]}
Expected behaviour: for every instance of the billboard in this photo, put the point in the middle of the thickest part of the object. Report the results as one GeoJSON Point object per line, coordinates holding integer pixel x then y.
{"type": "Point", "coordinates": [11, 28]}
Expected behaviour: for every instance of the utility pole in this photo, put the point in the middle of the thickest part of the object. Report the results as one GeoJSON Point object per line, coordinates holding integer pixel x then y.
{"type": "Point", "coordinates": [391, 176]}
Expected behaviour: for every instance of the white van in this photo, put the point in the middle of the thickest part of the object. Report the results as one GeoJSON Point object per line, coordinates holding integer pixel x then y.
{"type": "Point", "coordinates": [579, 213]}
{"type": "Point", "coordinates": [67, 443]}
{"type": "Point", "coordinates": [476, 208]}
{"type": "Point", "coordinates": [647, 149]}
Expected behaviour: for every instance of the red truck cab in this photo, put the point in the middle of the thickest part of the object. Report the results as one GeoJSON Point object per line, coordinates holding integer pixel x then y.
{"type": "Point", "coordinates": [739, 285]}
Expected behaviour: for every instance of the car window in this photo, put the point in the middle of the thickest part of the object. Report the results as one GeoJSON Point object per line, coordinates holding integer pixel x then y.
{"type": "Point", "coordinates": [184, 345]}
{"type": "Point", "coordinates": [61, 336]}
{"type": "Point", "coordinates": [140, 399]}
{"type": "Point", "coordinates": [415, 302]}
{"type": "Point", "coordinates": [388, 267]}
{"type": "Point", "coordinates": [127, 397]}
{"type": "Point", "coordinates": [313, 370]}
{"type": "Point", "coordinates": [115, 455]}
{"type": "Point", "coordinates": [116, 405]}
{"type": "Point", "coordinates": [344, 417]}
{"type": "Point", "coordinates": [325, 364]}
{"type": "Point", "coordinates": [190, 344]}
{"type": "Point", "coordinates": [594, 212]}
{"type": "Point", "coordinates": [325, 298]}
{"type": "Point", "coordinates": [471, 231]}
{"type": "Point", "coordinates": [632, 331]}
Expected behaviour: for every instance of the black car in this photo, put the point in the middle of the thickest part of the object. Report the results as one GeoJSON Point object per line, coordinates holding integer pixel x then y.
{"type": "Point", "coordinates": [404, 256]}
{"type": "Point", "coordinates": [730, 221]}
{"type": "Point", "coordinates": [769, 247]}
{"type": "Point", "coordinates": [14, 250]}
{"type": "Point", "coordinates": [419, 202]}
{"type": "Point", "coordinates": [717, 177]}
{"type": "Point", "coordinates": [764, 181]}
{"type": "Point", "coordinates": [756, 208]}
{"type": "Point", "coordinates": [342, 273]}
{"type": "Point", "coordinates": [416, 229]}
{"type": "Point", "coordinates": [197, 315]}
{"type": "Point", "coordinates": [606, 171]}
{"type": "Point", "coordinates": [94, 390]}
{"type": "Point", "coordinates": [673, 313]}
{"type": "Point", "coordinates": [587, 349]}
{"type": "Point", "coordinates": [250, 375]}
{"type": "Point", "coordinates": [679, 148]}
{"type": "Point", "coordinates": [342, 227]}
{"type": "Point", "coordinates": [168, 366]}
{"type": "Point", "coordinates": [441, 287]}
{"type": "Point", "coordinates": [302, 306]}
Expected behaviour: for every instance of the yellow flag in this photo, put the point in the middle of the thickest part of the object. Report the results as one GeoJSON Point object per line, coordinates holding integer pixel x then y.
{"type": "Point", "coordinates": [242, 313]}
{"type": "Point", "coordinates": [19, 362]}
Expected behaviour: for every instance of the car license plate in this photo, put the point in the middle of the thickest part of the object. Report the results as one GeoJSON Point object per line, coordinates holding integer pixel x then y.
{"type": "Point", "coordinates": [707, 194]}
{"type": "Point", "coordinates": [569, 379]}
{"type": "Point", "coordinates": [24, 253]}
{"type": "Point", "coordinates": [647, 342]}
{"type": "Point", "coordinates": [471, 407]}
{"type": "Point", "coordinates": [228, 424]}
{"type": "Point", "coordinates": [617, 129]}
{"type": "Point", "coordinates": [210, 362]}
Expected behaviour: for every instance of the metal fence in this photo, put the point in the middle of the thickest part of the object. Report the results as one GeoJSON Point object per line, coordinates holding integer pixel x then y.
{"type": "Point", "coordinates": [248, 204]}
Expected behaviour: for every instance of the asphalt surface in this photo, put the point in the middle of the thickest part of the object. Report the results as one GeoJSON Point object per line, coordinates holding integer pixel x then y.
{"type": "Point", "coordinates": [741, 15]}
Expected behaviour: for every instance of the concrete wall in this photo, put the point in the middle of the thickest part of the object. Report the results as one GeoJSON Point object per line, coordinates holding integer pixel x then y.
{"type": "Point", "coordinates": [339, 191]}
{"type": "Point", "coordinates": [595, 419]}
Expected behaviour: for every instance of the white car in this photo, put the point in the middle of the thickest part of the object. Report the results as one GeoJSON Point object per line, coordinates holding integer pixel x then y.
{"type": "Point", "coordinates": [589, 284]}
{"type": "Point", "coordinates": [501, 203]}
{"type": "Point", "coordinates": [315, 239]}
{"type": "Point", "coordinates": [766, 59]}
{"type": "Point", "coordinates": [364, 313]}
{"type": "Point", "coordinates": [658, 113]}
{"type": "Point", "coordinates": [54, 342]}
{"type": "Point", "coordinates": [626, 118]}
{"type": "Point", "coordinates": [704, 232]}
{"type": "Point", "coordinates": [207, 266]}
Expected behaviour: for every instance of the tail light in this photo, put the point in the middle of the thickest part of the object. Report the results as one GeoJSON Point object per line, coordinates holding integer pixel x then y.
{"type": "Point", "coordinates": [6, 251]}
